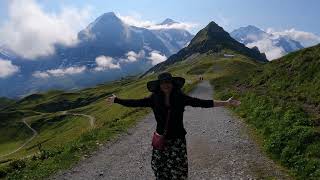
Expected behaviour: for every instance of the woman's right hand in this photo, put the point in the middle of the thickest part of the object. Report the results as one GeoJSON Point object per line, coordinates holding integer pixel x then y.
{"type": "Point", "coordinates": [110, 100]}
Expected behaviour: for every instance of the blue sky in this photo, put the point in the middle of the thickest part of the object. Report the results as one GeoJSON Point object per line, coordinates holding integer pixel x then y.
{"type": "Point", "coordinates": [231, 14]}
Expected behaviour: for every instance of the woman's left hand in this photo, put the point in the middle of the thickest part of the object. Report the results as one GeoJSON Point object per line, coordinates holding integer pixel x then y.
{"type": "Point", "coordinates": [233, 102]}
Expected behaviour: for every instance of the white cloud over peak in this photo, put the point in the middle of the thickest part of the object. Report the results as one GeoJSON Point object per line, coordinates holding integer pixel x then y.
{"type": "Point", "coordinates": [156, 57]}
{"type": "Point", "coordinates": [267, 46]}
{"type": "Point", "coordinates": [41, 75]}
{"type": "Point", "coordinates": [59, 72]}
{"type": "Point", "coordinates": [138, 22]}
{"type": "Point", "coordinates": [185, 26]}
{"type": "Point", "coordinates": [7, 68]}
{"type": "Point", "coordinates": [132, 56]}
{"type": "Point", "coordinates": [267, 42]}
{"type": "Point", "coordinates": [305, 38]}
{"type": "Point", "coordinates": [106, 62]}
{"type": "Point", "coordinates": [32, 32]}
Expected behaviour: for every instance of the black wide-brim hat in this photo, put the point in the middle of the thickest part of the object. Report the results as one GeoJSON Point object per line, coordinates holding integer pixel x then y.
{"type": "Point", "coordinates": [177, 82]}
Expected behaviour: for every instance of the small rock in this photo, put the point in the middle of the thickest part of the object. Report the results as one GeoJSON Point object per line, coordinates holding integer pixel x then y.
{"type": "Point", "coordinates": [101, 173]}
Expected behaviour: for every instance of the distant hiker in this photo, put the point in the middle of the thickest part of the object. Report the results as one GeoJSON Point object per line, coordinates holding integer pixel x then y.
{"type": "Point", "coordinates": [169, 154]}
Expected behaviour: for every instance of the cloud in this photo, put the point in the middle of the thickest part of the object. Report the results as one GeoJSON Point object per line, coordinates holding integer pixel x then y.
{"type": "Point", "coordinates": [267, 42]}
{"type": "Point", "coordinates": [105, 62]}
{"type": "Point", "coordinates": [32, 32]}
{"type": "Point", "coordinates": [185, 26]}
{"type": "Point", "coordinates": [41, 75]}
{"type": "Point", "coordinates": [135, 21]}
{"type": "Point", "coordinates": [267, 46]}
{"type": "Point", "coordinates": [59, 72]}
{"type": "Point", "coordinates": [305, 38]}
{"type": "Point", "coordinates": [132, 56]}
{"type": "Point", "coordinates": [138, 22]}
{"type": "Point", "coordinates": [7, 68]}
{"type": "Point", "coordinates": [156, 57]}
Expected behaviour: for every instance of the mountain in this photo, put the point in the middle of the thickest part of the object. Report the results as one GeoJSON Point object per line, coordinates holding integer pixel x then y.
{"type": "Point", "coordinates": [248, 34]}
{"type": "Point", "coordinates": [110, 35]}
{"type": "Point", "coordinates": [274, 46]}
{"type": "Point", "coordinates": [174, 39]}
{"type": "Point", "coordinates": [127, 47]}
{"type": "Point", "coordinates": [168, 21]}
{"type": "Point", "coordinates": [212, 38]}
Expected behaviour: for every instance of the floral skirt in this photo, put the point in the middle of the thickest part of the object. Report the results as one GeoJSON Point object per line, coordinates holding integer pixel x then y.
{"type": "Point", "coordinates": [172, 162]}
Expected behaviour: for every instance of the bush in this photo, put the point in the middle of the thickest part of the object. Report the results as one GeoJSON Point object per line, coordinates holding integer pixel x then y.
{"type": "Point", "coordinates": [289, 134]}
{"type": "Point", "coordinates": [3, 172]}
{"type": "Point", "coordinates": [17, 164]}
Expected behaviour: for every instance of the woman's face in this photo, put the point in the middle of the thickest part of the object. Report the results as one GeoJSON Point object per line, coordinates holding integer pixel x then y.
{"type": "Point", "coordinates": [166, 86]}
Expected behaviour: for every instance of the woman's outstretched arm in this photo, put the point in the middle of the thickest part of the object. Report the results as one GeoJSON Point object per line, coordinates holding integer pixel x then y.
{"type": "Point", "coordinates": [144, 102]}
{"type": "Point", "coordinates": [229, 102]}
{"type": "Point", "coordinates": [196, 102]}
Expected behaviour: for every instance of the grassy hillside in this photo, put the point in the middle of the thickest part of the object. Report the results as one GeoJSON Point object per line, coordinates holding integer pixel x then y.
{"type": "Point", "coordinates": [5, 102]}
{"type": "Point", "coordinates": [281, 100]}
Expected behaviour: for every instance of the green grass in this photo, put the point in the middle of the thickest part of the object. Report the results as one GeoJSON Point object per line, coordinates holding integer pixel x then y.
{"type": "Point", "coordinates": [4, 102]}
{"type": "Point", "coordinates": [281, 101]}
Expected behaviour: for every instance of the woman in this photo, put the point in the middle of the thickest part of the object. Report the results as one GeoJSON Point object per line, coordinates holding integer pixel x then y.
{"type": "Point", "coordinates": [167, 102]}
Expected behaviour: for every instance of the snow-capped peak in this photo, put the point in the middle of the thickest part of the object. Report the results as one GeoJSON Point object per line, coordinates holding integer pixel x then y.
{"type": "Point", "coordinates": [168, 21]}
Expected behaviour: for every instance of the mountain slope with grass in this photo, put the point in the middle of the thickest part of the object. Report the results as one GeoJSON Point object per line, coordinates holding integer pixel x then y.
{"type": "Point", "coordinates": [212, 38]}
{"type": "Point", "coordinates": [4, 102]}
{"type": "Point", "coordinates": [281, 101]}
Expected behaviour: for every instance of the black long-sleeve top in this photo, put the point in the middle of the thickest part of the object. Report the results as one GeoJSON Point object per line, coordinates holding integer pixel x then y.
{"type": "Point", "coordinates": [178, 101]}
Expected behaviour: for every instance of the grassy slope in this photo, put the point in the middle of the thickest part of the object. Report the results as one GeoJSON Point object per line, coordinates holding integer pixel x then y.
{"type": "Point", "coordinates": [281, 101]}
{"type": "Point", "coordinates": [5, 102]}
{"type": "Point", "coordinates": [66, 139]}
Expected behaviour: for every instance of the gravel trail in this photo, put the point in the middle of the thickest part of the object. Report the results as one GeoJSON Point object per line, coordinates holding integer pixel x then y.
{"type": "Point", "coordinates": [219, 147]}
{"type": "Point", "coordinates": [89, 117]}
{"type": "Point", "coordinates": [35, 133]}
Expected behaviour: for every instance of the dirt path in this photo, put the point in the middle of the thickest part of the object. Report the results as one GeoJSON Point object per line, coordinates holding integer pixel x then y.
{"type": "Point", "coordinates": [219, 147]}
{"type": "Point", "coordinates": [35, 133]}
{"type": "Point", "coordinates": [89, 117]}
